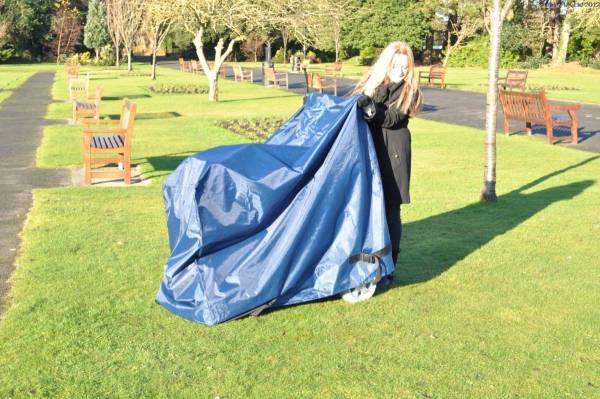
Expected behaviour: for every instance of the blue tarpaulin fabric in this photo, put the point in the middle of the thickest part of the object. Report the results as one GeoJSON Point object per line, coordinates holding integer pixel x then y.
{"type": "Point", "coordinates": [275, 223]}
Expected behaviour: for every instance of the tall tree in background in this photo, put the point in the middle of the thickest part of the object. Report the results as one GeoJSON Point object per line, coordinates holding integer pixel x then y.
{"type": "Point", "coordinates": [497, 16]}
{"type": "Point", "coordinates": [464, 21]}
{"type": "Point", "coordinates": [333, 15]}
{"type": "Point", "coordinates": [124, 22]}
{"type": "Point", "coordinates": [252, 47]}
{"type": "Point", "coordinates": [379, 22]}
{"type": "Point", "coordinates": [159, 18]}
{"type": "Point", "coordinates": [113, 19]}
{"type": "Point", "coordinates": [131, 13]}
{"type": "Point", "coordinates": [65, 28]}
{"type": "Point", "coordinates": [96, 32]}
{"type": "Point", "coordinates": [226, 19]}
{"type": "Point", "coordinates": [27, 24]}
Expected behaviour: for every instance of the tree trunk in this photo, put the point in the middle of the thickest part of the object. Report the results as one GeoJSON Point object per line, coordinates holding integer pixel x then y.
{"type": "Point", "coordinates": [129, 66]}
{"type": "Point", "coordinates": [488, 194]}
{"type": "Point", "coordinates": [117, 55]}
{"type": "Point", "coordinates": [565, 33]}
{"type": "Point", "coordinates": [97, 54]}
{"type": "Point", "coordinates": [213, 87]}
{"type": "Point", "coordinates": [154, 63]}
{"type": "Point", "coordinates": [555, 28]}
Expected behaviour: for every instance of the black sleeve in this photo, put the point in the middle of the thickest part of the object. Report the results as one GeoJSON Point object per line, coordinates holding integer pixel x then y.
{"type": "Point", "coordinates": [388, 118]}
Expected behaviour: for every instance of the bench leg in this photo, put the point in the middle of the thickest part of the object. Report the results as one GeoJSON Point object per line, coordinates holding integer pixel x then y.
{"type": "Point", "coordinates": [506, 126]}
{"type": "Point", "coordinates": [550, 132]}
{"type": "Point", "coordinates": [87, 168]}
{"type": "Point", "coordinates": [574, 138]}
{"type": "Point", "coordinates": [528, 128]}
{"type": "Point", "coordinates": [127, 168]}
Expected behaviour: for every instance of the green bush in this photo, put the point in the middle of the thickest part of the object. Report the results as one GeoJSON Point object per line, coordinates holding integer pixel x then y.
{"type": "Point", "coordinates": [257, 130]}
{"type": "Point", "coordinates": [476, 52]}
{"type": "Point", "coordinates": [278, 57]}
{"type": "Point", "coordinates": [6, 53]}
{"type": "Point", "coordinates": [367, 55]}
{"type": "Point", "coordinates": [106, 56]}
{"type": "Point", "coordinates": [178, 89]}
{"type": "Point", "coordinates": [81, 58]}
{"type": "Point", "coordinates": [534, 62]}
{"type": "Point", "coordinates": [311, 55]}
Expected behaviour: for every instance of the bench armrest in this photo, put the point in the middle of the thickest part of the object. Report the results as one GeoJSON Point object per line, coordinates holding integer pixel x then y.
{"type": "Point", "coordinates": [89, 132]}
{"type": "Point", "coordinates": [564, 107]}
{"type": "Point", "coordinates": [89, 122]}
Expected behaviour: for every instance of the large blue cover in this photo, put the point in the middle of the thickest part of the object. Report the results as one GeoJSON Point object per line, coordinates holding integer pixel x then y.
{"type": "Point", "coordinates": [276, 222]}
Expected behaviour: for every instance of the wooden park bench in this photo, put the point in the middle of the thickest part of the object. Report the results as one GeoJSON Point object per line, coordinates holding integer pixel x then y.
{"type": "Point", "coordinates": [112, 138]}
{"type": "Point", "coordinates": [78, 88]}
{"type": "Point", "coordinates": [88, 107]}
{"type": "Point", "coordinates": [437, 71]}
{"type": "Point", "coordinates": [276, 79]}
{"type": "Point", "coordinates": [242, 75]}
{"type": "Point", "coordinates": [72, 70]}
{"type": "Point", "coordinates": [334, 70]}
{"type": "Point", "coordinates": [534, 108]}
{"type": "Point", "coordinates": [513, 79]}
{"type": "Point", "coordinates": [316, 82]}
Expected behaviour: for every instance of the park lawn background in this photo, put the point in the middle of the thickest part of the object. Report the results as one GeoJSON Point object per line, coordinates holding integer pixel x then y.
{"type": "Point", "coordinates": [569, 82]}
{"type": "Point", "coordinates": [490, 300]}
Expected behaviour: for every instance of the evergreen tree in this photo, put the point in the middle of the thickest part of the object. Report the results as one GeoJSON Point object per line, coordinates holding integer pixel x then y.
{"type": "Point", "coordinates": [96, 32]}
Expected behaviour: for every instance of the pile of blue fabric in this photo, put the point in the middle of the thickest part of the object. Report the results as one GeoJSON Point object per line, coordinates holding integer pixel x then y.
{"type": "Point", "coordinates": [267, 225]}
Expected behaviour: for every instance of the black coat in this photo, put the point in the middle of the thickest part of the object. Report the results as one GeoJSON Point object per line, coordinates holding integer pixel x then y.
{"type": "Point", "coordinates": [389, 127]}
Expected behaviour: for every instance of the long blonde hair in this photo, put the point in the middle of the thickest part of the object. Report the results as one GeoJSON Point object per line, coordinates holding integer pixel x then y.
{"type": "Point", "coordinates": [410, 101]}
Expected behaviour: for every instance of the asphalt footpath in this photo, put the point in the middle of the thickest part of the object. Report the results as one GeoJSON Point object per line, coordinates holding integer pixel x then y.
{"type": "Point", "coordinates": [22, 119]}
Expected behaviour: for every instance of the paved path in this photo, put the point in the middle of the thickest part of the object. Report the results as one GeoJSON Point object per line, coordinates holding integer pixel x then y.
{"type": "Point", "coordinates": [21, 123]}
{"type": "Point", "coordinates": [464, 108]}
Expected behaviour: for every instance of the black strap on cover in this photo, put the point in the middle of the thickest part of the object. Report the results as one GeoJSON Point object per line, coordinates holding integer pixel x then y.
{"type": "Point", "coordinates": [256, 311]}
{"type": "Point", "coordinates": [374, 257]}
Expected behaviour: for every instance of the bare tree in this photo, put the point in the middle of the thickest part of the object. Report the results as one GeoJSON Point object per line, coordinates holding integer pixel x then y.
{"type": "Point", "coordinates": [65, 27]}
{"type": "Point", "coordinates": [231, 19]}
{"type": "Point", "coordinates": [124, 19]}
{"type": "Point", "coordinates": [113, 20]}
{"type": "Point", "coordinates": [333, 15]}
{"type": "Point", "coordinates": [497, 16]}
{"type": "Point", "coordinates": [159, 18]}
{"type": "Point", "coordinates": [464, 20]}
{"type": "Point", "coordinates": [252, 47]}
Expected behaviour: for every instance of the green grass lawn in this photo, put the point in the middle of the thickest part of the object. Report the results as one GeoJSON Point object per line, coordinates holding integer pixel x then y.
{"type": "Point", "coordinates": [568, 82]}
{"type": "Point", "coordinates": [490, 300]}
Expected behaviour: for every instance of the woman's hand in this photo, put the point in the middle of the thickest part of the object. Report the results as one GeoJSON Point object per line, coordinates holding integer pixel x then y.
{"type": "Point", "coordinates": [367, 105]}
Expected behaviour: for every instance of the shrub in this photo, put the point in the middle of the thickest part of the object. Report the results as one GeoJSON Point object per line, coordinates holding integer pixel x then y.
{"type": "Point", "coordinates": [311, 55]}
{"type": "Point", "coordinates": [178, 89]}
{"type": "Point", "coordinates": [367, 55]}
{"type": "Point", "coordinates": [81, 58]}
{"type": "Point", "coordinates": [476, 53]}
{"type": "Point", "coordinates": [257, 130]}
{"type": "Point", "coordinates": [6, 53]}
{"type": "Point", "coordinates": [534, 61]}
{"type": "Point", "coordinates": [106, 56]}
{"type": "Point", "coordinates": [278, 57]}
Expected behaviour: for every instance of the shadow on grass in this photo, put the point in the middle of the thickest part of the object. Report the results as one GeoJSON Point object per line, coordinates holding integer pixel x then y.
{"type": "Point", "coordinates": [165, 164]}
{"type": "Point", "coordinates": [433, 245]}
{"type": "Point", "coordinates": [131, 97]}
{"type": "Point", "coordinates": [149, 115]}
{"type": "Point", "coordinates": [257, 98]}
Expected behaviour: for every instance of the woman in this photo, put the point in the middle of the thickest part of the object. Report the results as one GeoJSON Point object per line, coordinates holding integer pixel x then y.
{"type": "Point", "coordinates": [390, 95]}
